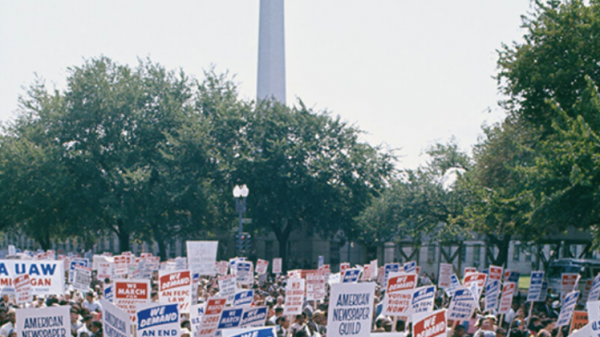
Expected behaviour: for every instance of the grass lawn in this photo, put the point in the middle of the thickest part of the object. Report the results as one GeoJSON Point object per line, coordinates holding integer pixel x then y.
{"type": "Point", "coordinates": [524, 282]}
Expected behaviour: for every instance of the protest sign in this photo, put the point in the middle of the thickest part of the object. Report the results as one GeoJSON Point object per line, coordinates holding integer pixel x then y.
{"type": "Point", "coordinates": [130, 293]}
{"type": "Point", "coordinates": [12, 250]}
{"type": "Point", "coordinates": [82, 277]}
{"type": "Point", "coordinates": [156, 319]}
{"type": "Point", "coordinates": [445, 275]}
{"type": "Point", "coordinates": [366, 276]}
{"type": "Point", "coordinates": [181, 263]}
{"type": "Point", "coordinates": [230, 318]}
{"type": "Point", "coordinates": [492, 290]}
{"type": "Point", "coordinates": [462, 305]}
{"type": "Point", "coordinates": [176, 287]}
{"type": "Point", "coordinates": [387, 269]}
{"type": "Point", "coordinates": [595, 291]}
{"type": "Point", "coordinates": [585, 331]}
{"type": "Point", "coordinates": [351, 275]}
{"type": "Point", "coordinates": [508, 291]}
{"type": "Point", "coordinates": [108, 292]}
{"type": "Point", "coordinates": [320, 261]}
{"type": "Point", "coordinates": [350, 309]}
{"type": "Point", "coordinates": [398, 295]}
{"type": "Point", "coordinates": [277, 265]}
{"type": "Point", "coordinates": [47, 277]}
{"type": "Point", "coordinates": [374, 269]}
{"type": "Point", "coordinates": [250, 332]}
{"type": "Point", "coordinates": [227, 287]}
{"type": "Point", "coordinates": [566, 312]}
{"type": "Point", "coordinates": [580, 319]}
{"type": "Point", "coordinates": [201, 256]}
{"type": "Point", "coordinates": [495, 273]}
{"type": "Point", "coordinates": [196, 313]}
{"type": "Point", "coordinates": [105, 270]}
{"type": "Point", "coordinates": [210, 319]}
{"type": "Point", "coordinates": [535, 286]}
{"type": "Point", "coordinates": [586, 292]}
{"type": "Point", "coordinates": [121, 265]}
{"type": "Point", "coordinates": [593, 309]}
{"type": "Point", "coordinates": [115, 321]}
{"type": "Point", "coordinates": [568, 283]}
{"type": "Point", "coordinates": [222, 267]}
{"type": "Point", "coordinates": [243, 298]}
{"type": "Point", "coordinates": [50, 321]}
{"type": "Point", "coordinates": [294, 297]}
{"type": "Point", "coordinates": [422, 300]}
{"type": "Point", "coordinates": [343, 267]}
{"type": "Point", "coordinates": [469, 270]}
{"type": "Point", "coordinates": [410, 267]}
{"type": "Point", "coordinates": [315, 287]}
{"type": "Point", "coordinates": [477, 280]}
{"type": "Point", "coordinates": [454, 284]}
{"type": "Point", "coordinates": [430, 324]}
{"type": "Point", "coordinates": [254, 317]}
{"type": "Point", "coordinates": [23, 290]}
{"type": "Point", "coordinates": [244, 272]}
{"type": "Point", "coordinates": [512, 276]}
{"type": "Point", "coordinates": [543, 292]}
{"type": "Point", "coordinates": [261, 266]}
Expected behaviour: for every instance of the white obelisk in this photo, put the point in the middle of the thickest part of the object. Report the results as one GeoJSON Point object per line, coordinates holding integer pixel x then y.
{"type": "Point", "coordinates": [271, 52]}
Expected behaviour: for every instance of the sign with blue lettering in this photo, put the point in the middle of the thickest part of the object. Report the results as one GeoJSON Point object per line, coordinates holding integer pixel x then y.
{"type": "Point", "coordinates": [535, 286]}
{"type": "Point", "coordinates": [454, 283]}
{"type": "Point", "coordinates": [492, 291]}
{"type": "Point", "coordinates": [230, 318]}
{"type": "Point", "coordinates": [78, 261]}
{"type": "Point", "coordinates": [243, 298]}
{"type": "Point", "coordinates": [350, 309]}
{"type": "Point", "coordinates": [462, 305]}
{"type": "Point", "coordinates": [51, 321]}
{"type": "Point", "coordinates": [410, 267]}
{"type": "Point", "coordinates": [244, 272]}
{"type": "Point", "coordinates": [115, 321]}
{"type": "Point", "coordinates": [351, 275]}
{"type": "Point", "coordinates": [108, 292]}
{"type": "Point", "coordinates": [254, 332]}
{"type": "Point", "coordinates": [321, 261]}
{"type": "Point", "coordinates": [389, 268]}
{"type": "Point", "coordinates": [513, 276]}
{"type": "Point", "coordinates": [47, 277]}
{"type": "Point", "coordinates": [254, 317]}
{"type": "Point", "coordinates": [155, 319]}
{"type": "Point", "coordinates": [595, 291]}
{"type": "Point", "coordinates": [543, 292]}
{"type": "Point", "coordinates": [566, 312]}
{"type": "Point", "coordinates": [422, 299]}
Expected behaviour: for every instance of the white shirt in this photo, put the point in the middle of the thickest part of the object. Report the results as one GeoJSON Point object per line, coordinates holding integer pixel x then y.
{"type": "Point", "coordinates": [6, 329]}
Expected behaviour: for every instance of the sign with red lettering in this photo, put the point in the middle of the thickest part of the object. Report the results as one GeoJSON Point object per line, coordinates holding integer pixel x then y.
{"type": "Point", "coordinates": [477, 280]}
{"type": "Point", "coordinates": [294, 297]}
{"type": "Point", "coordinates": [445, 279]}
{"type": "Point", "coordinates": [580, 319]}
{"type": "Point", "coordinates": [210, 319]}
{"type": "Point", "coordinates": [430, 324]}
{"type": "Point", "coordinates": [399, 293]}
{"type": "Point", "coordinates": [176, 287]}
{"type": "Point", "coordinates": [508, 292]}
{"type": "Point", "coordinates": [120, 266]}
{"type": "Point", "coordinates": [568, 284]}
{"type": "Point", "coordinates": [129, 293]}
{"type": "Point", "coordinates": [276, 265]}
{"type": "Point", "coordinates": [261, 266]}
{"type": "Point", "coordinates": [495, 273]}
{"type": "Point", "coordinates": [24, 292]}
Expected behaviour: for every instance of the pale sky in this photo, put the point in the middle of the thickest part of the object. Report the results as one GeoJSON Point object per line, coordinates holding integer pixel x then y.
{"type": "Point", "coordinates": [409, 73]}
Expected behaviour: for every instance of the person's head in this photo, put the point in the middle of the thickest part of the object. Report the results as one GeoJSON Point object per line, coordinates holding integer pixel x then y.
{"type": "Point", "coordinates": [87, 320]}
{"type": "Point", "coordinates": [500, 332]}
{"type": "Point", "coordinates": [12, 315]}
{"type": "Point", "coordinates": [486, 324]}
{"type": "Point", "coordinates": [301, 333]}
{"type": "Point", "coordinates": [96, 326]}
{"type": "Point", "coordinates": [74, 315]}
{"type": "Point", "coordinates": [5, 298]}
{"type": "Point", "coordinates": [89, 296]}
{"type": "Point", "coordinates": [318, 317]}
{"type": "Point", "coordinates": [387, 325]}
{"type": "Point", "coordinates": [278, 311]}
{"type": "Point", "coordinates": [283, 322]}
{"type": "Point", "coordinates": [459, 331]}
{"type": "Point", "coordinates": [301, 318]}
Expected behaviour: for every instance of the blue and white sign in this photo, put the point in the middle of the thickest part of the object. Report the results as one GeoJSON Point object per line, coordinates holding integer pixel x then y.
{"type": "Point", "coordinates": [513, 276]}
{"type": "Point", "coordinates": [454, 283]}
{"type": "Point", "coordinates": [462, 305]}
{"type": "Point", "coordinates": [115, 321]}
{"type": "Point", "coordinates": [351, 275]}
{"type": "Point", "coordinates": [321, 261]}
{"type": "Point", "coordinates": [543, 292]}
{"type": "Point", "coordinates": [410, 267]}
{"type": "Point", "coordinates": [243, 298]}
{"type": "Point", "coordinates": [593, 309]}
{"type": "Point", "coordinates": [230, 318]}
{"type": "Point", "coordinates": [492, 291]}
{"type": "Point", "coordinates": [78, 261]}
{"type": "Point", "coordinates": [535, 286]}
{"type": "Point", "coordinates": [47, 277]}
{"type": "Point", "coordinates": [108, 293]}
{"type": "Point", "coordinates": [254, 317]}
{"type": "Point", "coordinates": [422, 299]}
{"type": "Point", "coordinates": [244, 272]}
{"type": "Point", "coordinates": [566, 312]}
{"type": "Point", "coordinates": [253, 332]}
{"type": "Point", "coordinates": [389, 268]}
{"type": "Point", "coordinates": [595, 291]}
{"type": "Point", "coordinates": [155, 319]}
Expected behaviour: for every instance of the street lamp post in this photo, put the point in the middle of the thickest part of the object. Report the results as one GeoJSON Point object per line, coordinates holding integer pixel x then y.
{"type": "Point", "coordinates": [240, 193]}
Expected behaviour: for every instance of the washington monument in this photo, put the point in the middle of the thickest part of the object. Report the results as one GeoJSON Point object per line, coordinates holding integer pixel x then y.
{"type": "Point", "coordinates": [271, 52]}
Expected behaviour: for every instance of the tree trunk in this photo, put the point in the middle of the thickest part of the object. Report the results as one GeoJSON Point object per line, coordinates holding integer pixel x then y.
{"type": "Point", "coordinates": [123, 235]}
{"type": "Point", "coordinates": [283, 241]}
{"type": "Point", "coordinates": [501, 259]}
{"type": "Point", "coordinates": [162, 248]}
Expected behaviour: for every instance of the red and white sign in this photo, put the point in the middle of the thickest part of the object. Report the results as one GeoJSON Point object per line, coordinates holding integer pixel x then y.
{"type": "Point", "coordinates": [105, 270]}
{"type": "Point", "coordinates": [366, 272]}
{"type": "Point", "coordinates": [261, 266]}
{"type": "Point", "coordinates": [294, 297]}
{"type": "Point", "coordinates": [469, 270]}
{"type": "Point", "coordinates": [445, 279]}
{"type": "Point", "coordinates": [477, 279]}
{"type": "Point", "coordinates": [569, 283]}
{"type": "Point", "coordinates": [586, 291]}
{"type": "Point", "coordinates": [277, 265]}
{"type": "Point", "coordinates": [430, 324]}
{"type": "Point", "coordinates": [176, 287]}
{"type": "Point", "coordinates": [23, 289]}
{"type": "Point", "coordinates": [222, 267]}
{"type": "Point", "coordinates": [398, 294]}
{"type": "Point", "coordinates": [315, 287]}
{"type": "Point", "coordinates": [129, 293]}
{"type": "Point", "coordinates": [495, 273]}
{"type": "Point", "coordinates": [120, 267]}
{"type": "Point", "coordinates": [343, 267]}
{"type": "Point", "coordinates": [210, 319]}
{"type": "Point", "coordinates": [508, 291]}
{"type": "Point", "coordinates": [325, 270]}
